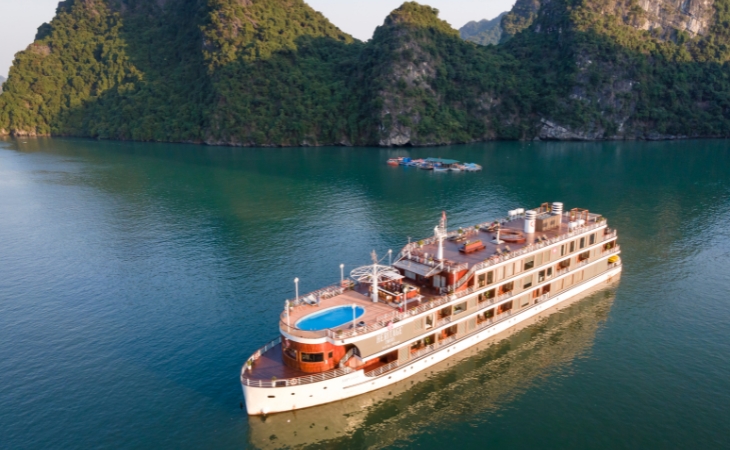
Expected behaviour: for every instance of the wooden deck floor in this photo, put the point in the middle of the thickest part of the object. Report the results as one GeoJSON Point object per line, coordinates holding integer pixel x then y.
{"type": "Point", "coordinates": [271, 364]}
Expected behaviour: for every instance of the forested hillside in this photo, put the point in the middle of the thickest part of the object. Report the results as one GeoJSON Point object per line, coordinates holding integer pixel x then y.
{"type": "Point", "coordinates": [484, 32]}
{"type": "Point", "coordinates": [276, 72]}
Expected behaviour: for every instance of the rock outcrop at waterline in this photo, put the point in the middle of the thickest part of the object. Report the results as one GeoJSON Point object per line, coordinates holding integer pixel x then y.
{"type": "Point", "coordinates": [277, 73]}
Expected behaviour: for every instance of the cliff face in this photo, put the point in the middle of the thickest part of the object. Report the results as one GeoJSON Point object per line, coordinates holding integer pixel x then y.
{"type": "Point", "coordinates": [638, 69]}
{"type": "Point", "coordinates": [277, 73]}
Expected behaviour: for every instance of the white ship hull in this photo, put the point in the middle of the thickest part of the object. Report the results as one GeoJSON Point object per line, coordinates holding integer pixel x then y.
{"type": "Point", "coordinates": [267, 400]}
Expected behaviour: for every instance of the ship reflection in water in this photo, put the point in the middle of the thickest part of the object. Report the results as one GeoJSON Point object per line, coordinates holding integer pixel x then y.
{"type": "Point", "coordinates": [478, 380]}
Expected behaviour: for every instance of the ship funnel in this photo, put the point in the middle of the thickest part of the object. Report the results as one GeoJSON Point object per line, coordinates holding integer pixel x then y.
{"type": "Point", "coordinates": [558, 208]}
{"type": "Point", "coordinates": [530, 217]}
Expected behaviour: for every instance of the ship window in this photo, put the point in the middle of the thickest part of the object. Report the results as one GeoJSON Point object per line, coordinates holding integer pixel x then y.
{"type": "Point", "coordinates": [572, 247]}
{"type": "Point", "coordinates": [329, 355]}
{"type": "Point", "coordinates": [541, 276]}
{"type": "Point", "coordinates": [582, 242]}
{"type": "Point", "coordinates": [490, 277]}
{"type": "Point", "coordinates": [592, 239]}
{"type": "Point", "coordinates": [312, 357]}
{"type": "Point", "coordinates": [529, 262]}
{"type": "Point", "coordinates": [489, 314]}
{"type": "Point", "coordinates": [460, 308]}
{"type": "Point", "coordinates": [507, 287]}
{"type": "Point", "coordinates": [564, 264]}
{"type": "Point", "coordinates": [429, 321]}
{"type": "Point", "coordinates": [410, 275]}
{"type": "Point", "coordinates": [505, 307]}
{"type": "Point", "coordinates": [562, 250]}
{"type": "Point", "coordinates": [445, 312]}
{"type": "Point", "coordinates": [549, 272]}
{"type": "Point", "coordinates": [583, 256]}
{"type": "Point", "coordinates": [482, 280]}
{"type": "Point", "coordinates": [527, 282]}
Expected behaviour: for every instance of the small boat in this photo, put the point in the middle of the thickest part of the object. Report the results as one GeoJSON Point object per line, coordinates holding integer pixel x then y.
{"type": "Point", "coordinates": [404, 161]}
{"type": "Point", "coordinates": [426, 166]}
{"type": "Point", "coordinates": [393, 162]}
{"type": "Point", "coordinates": [472, 167]}
{"type": "Point", "coordinates": [414, 162]}
{"type": "Point", "coordinates": [440, 168]}
{"type": "Point", "coordinates": [457, 167]}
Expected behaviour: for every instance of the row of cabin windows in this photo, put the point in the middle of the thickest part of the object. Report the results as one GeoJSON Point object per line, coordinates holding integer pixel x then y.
{"type": "Point", "coordinates": [523, 302]}
{"type": "Point", "coordinates": [485, 279]}
{"type": "Point", "coordinates": [306, 357]}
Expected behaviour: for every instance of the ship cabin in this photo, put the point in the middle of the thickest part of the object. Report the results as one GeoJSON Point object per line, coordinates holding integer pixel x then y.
{"type": "Point", "coordinates": [437, 290]}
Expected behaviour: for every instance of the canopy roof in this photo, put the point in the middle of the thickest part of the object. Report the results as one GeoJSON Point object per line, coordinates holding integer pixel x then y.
{"type": "Point", "coordinates": [412, 266]}
{"type": "Point", "coordinates": [442, 161]}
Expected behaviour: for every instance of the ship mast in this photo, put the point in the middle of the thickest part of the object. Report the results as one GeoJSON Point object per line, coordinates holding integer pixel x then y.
{"type": "Point", "coordinates": [440, 233]}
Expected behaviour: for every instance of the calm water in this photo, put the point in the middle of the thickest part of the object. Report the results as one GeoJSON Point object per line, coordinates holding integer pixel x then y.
{"type": "Point", "coordinates": [135, 279]}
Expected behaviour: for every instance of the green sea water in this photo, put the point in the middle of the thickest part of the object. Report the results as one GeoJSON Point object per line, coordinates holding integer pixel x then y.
{"type": "Point", "coordinates": [135, 279]}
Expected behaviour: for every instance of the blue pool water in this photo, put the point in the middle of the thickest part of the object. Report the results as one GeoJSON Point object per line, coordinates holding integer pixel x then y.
{"type": "Point", "coordinates": [329, 318]}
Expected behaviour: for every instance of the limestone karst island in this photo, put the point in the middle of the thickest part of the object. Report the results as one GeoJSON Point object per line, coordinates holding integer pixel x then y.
{"type": "Point", "coordinates": [278, 73]}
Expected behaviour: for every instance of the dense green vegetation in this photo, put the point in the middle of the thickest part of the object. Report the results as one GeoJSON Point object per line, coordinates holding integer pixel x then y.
{"type": "Point", "coordinates": [276, 72]}
{"type": "Point", "coordinates": [484, 32]}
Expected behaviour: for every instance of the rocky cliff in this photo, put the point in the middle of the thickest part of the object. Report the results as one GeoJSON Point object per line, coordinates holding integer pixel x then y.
{"type": "Point", "coordinates": [277, 73]}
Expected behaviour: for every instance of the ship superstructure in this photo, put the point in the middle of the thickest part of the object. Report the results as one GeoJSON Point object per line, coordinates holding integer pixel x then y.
{"type": "Point", "coordinates": [441, 295]}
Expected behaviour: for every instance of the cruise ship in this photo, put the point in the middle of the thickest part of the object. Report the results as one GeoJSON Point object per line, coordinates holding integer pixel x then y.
{"type": "Point", "coordinates": [440, 296]}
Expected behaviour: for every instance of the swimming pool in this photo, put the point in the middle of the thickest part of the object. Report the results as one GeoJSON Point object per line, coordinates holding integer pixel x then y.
{"type": "Point", "coordinates": [330, 318]}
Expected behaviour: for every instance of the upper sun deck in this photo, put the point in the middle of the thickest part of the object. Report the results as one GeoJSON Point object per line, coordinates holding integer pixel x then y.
{"type": "Point", "coordinates": [420, 257]}
{"type": "Point", "coordinates": [400, 299]}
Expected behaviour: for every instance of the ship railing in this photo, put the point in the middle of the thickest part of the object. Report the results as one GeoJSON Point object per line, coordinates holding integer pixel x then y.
{"type": "Point", "coordinates": [395, 316]}
{"type": "Point", "coordinates": [306, 379]}
{"type": "Point", "coordinates": [449, 266]}
{"type": "Point", "coordinates": [444, 321]}
{"type": "Point", "coordinates": [296, 381]}
{"type": "Point", "coordinates": [424, 351]}
{"type": "Point", "coordinates": [322, 294]}
{"type": "Point", "coordinates": [527, 249]}
{"type": "Point", "coordinates": [382, 369]}
{"type": "Point", "coordinates": [288, 328]}
{"type": "Point", "coordinates": [384, 320]}
{"type": "Point", "coordinates": [350, 353]}
{"type": "Point", "coordinates": [614, 265]}
{"type": "Point", "coordinates": [257, 354]}
{"type": "Point", "coordinates": [610, 235]}
{"type": "Point", "coordinates": [612, 250]}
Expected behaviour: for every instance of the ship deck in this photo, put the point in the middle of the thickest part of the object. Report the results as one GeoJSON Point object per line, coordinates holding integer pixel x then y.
{"type": "Point", "coordinates": [271, 364]}
{"type": "Point", "coordinates": [419, 257]}
{"type": "Point", "coordinates": [347, 298]}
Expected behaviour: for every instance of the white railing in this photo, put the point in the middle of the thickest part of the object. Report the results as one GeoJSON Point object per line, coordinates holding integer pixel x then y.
{"type": "Point", "coordinates": [347, 356]}
{"type": "Point", "coordinates": [275, 382]}
{"type": "Point", "coordinates": [257, 354]}
{"type": "Point", "coordinates": [527, 249]}
{"type": "Point", "coordinates": [321, 294]}
{"type": "Point", "coordinates": [382, 369]}
{"type": "Point", "coordinates": [395, 316]}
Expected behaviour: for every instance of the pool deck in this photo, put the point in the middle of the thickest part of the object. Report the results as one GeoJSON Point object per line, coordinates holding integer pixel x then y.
{"type": "Point", "coordinates": [347, 298]}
